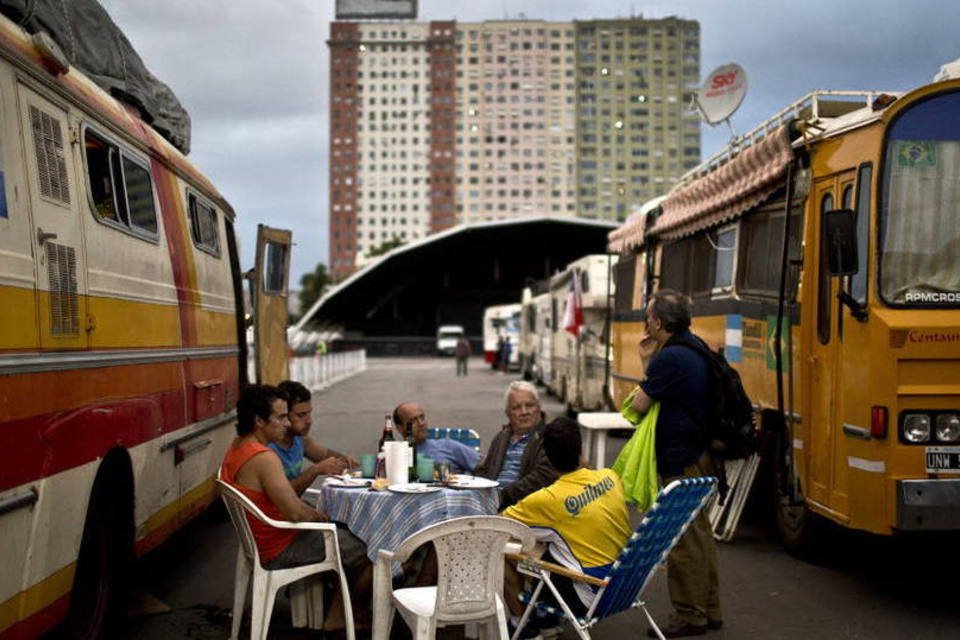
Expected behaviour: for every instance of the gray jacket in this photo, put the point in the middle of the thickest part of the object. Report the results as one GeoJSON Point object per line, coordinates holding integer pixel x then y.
{"type": "Point", "coordinates": [536, 472]}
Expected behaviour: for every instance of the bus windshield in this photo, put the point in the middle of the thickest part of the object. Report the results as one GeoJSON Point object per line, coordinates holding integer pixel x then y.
{"type": "Point", "coordinates": [920, 216]}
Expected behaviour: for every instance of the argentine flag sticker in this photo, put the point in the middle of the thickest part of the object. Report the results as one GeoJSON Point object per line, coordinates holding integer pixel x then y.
{"type": "Point", "coordinates": [733, 338]}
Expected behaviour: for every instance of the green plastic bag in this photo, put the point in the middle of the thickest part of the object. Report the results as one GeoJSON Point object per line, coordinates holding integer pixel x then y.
{"type": "Point", "coordinates": [637, 462]}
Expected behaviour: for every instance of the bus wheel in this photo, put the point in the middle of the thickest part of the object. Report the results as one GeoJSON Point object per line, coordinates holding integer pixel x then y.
{"type": "Point", "coordinates": [106, 551]}
{"type": "Point", "coordinates": [800, 528]}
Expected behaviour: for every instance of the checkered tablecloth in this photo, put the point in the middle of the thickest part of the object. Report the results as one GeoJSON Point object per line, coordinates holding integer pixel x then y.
{"type": "Point", "coordinates": [384, 519]}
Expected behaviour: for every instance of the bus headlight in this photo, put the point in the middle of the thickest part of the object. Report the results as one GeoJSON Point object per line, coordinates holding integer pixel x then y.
{"type": "Point", "coordinates": [916, 427]}
{"type": "Point", "coordinates": [948, 427]}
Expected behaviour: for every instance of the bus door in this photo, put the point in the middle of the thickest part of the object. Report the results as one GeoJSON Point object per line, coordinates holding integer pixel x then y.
{"type": "Point", "coordinates": [826, 451]}
{"type": "Point", "coordinates": [56, 234]}
{"type": "Point", "coordinates": [269, 297]}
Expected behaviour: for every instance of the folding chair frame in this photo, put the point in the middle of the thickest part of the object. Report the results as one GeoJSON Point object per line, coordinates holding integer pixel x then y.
{"type": "Point", "coordinates": [690, 494]}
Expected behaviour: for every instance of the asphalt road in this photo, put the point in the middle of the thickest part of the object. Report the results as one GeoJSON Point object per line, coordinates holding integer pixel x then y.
{"type": "Point", "coordinates": [868, 587]}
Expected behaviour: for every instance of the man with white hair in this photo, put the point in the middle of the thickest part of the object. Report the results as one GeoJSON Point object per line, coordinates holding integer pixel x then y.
{"type": "Point", "coordinates": [516, 458]}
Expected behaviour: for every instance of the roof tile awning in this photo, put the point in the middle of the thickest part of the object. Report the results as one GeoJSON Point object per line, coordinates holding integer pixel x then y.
{"type": "Point", "coordinates": [628, 235]}
{"type": "Point", "coordinates": [725, 194]}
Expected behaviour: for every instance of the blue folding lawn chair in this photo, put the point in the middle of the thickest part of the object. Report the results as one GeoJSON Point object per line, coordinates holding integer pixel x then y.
{"type": "Point", "coordinates": [645, 550]}
{"type": "Point", "coordinates": [465, 435]}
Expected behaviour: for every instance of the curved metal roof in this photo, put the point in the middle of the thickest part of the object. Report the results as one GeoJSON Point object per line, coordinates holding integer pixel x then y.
{"type": "Point", "coordinates": [451, 276]}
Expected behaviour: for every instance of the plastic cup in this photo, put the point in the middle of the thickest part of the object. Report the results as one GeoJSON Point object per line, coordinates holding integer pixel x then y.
{"type": "Point", "coordinates": [398, 461]}
{"type": "Point", "coordinates": [425, 468]}
{"type": "Point", "coordinates": [368, 464]}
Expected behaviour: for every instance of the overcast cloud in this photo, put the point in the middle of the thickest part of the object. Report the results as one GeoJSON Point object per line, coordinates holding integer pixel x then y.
{"type": "Point", "coordinates": [253, 76]}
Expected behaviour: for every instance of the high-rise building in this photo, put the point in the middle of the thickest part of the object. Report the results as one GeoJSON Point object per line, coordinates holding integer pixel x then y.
{"type": "Point", "coordinates": [636, 134]}
{"type": "Point", "coordinates": [435, 123]}
{"type": "Point", "coordinates": [515, 125]}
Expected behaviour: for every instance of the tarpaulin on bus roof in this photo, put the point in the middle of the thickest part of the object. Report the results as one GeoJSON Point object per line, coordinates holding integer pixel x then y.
{"type": "Point", "coordinates": [725, 194]}
{"type": "Point", "coordinates": [93, 43]}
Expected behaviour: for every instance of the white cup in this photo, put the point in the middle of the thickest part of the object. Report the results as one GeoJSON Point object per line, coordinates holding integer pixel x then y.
{"type": "Point", "coordinates": [397, 461]}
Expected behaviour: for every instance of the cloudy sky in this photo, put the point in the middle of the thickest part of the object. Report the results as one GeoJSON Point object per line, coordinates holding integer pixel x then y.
{"type": "Point", "coordinates": [253, 75]}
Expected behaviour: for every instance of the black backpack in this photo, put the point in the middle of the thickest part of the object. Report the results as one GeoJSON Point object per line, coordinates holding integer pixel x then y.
{"type": "Point", "coordinates": [730, 421]}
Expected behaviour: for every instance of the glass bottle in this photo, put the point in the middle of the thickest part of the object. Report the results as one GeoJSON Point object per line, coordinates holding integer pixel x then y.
{"type": "Point", "coordinates": [412, 443]}
{"type": "Point", "coordinates": [387, 435]}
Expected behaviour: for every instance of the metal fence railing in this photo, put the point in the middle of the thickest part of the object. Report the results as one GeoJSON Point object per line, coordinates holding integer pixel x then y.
{"type": "Point", "coordinates": [320, 371]}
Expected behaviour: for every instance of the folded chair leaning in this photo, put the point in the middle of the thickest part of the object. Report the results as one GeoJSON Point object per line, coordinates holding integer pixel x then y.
{"type": "Point", "coordinates": [266, 583]}
{"type": "Point", "coordinates": [662, 525]}
{"type": "Point", "coordinates": [470, 561]}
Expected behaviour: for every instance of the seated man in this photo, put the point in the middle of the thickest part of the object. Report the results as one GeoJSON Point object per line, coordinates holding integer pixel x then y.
{"type": "Point", "coordinates": [296, 447]}
{"type": "Point", "coordinates": [516, 458]}
{"type": "Point", "coordinates": [462, 458]}
{"type": "Point", "coordinates": [255, 470]}
{"type": "Point", "coordinates": [582, 517]}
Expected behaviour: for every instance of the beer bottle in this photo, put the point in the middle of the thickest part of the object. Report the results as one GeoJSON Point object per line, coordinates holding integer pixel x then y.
{"type": "Point", "coordinates": [387, 435]}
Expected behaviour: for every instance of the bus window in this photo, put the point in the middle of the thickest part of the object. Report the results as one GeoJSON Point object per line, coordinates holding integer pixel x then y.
{"type": "Point", "coordinates": [687, 266]}
{"type": "Point", "coordinates": [623, 277]}
{"type": "Point", "coordinates": [724, 254]}
{"type": "Point", "coordinates": [120, 187]}
{"type": "Point", "coordinates": [846, 199]}
{"type": "Point", "coordinates": [673, 266]}
{"type": "Point", "coordinates": [203, 225]}
{"type": "Point", "coordinates": [858, 282]}
{"type": "Point", "coordinates": [273, 274]}
{"type": "Point", "coordinates": [920, 206]}
{"type": "Point", "coordinates": [823, 291]}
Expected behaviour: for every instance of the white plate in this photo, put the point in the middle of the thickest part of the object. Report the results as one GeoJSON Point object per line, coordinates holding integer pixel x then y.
{"type": "Point", "coordinates": [413, 487]}
{"type": "Point", "coordinates": [348, 483]}
{"type": "Point", "coordinates": [472, 482]}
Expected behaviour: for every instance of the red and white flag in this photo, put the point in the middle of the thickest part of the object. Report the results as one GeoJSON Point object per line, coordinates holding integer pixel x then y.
{"type": "Point", "coordinates": [573, 316]}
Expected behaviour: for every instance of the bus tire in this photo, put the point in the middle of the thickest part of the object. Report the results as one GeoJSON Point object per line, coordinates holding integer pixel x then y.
{"type": "Point", "coordinates": [106, 553]}
{"type": "Point", "coordinates": [800, 529]}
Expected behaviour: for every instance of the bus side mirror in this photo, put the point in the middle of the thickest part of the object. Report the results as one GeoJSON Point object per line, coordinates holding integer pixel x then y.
{"type": "Point", "coordinates": [840, 241]}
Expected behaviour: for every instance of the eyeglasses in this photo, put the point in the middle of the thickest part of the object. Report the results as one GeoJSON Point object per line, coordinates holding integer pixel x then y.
{"type": "Point", "coordinates": [523, 406]}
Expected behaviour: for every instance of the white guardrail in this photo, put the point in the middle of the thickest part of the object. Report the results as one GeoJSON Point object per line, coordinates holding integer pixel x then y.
{"type": "Point", "coordinates": [320, 371]}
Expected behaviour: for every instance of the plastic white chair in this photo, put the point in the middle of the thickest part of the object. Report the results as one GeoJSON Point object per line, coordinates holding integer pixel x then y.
{"type": "Point", "coordinates": [470, 559]}
{"type": "Point", "coordinates": [267, 582]}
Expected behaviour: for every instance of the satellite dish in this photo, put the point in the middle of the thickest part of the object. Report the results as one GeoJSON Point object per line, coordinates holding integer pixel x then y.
{"type": "Point", "coordinates": [721, 93]}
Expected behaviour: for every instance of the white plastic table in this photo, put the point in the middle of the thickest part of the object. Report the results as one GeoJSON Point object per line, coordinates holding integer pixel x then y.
{"type": "Point", "coordinates": [594, 427]}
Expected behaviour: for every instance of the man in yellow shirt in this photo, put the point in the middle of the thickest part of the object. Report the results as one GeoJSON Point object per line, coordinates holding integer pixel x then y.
{"type": "Point", "coordinates": [582, 517]}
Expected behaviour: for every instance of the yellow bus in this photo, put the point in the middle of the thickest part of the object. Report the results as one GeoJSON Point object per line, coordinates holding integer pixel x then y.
{"type": "Point", "coordinates": [822, 253]}
{"type": "Point", "coordinates": [122, 348]}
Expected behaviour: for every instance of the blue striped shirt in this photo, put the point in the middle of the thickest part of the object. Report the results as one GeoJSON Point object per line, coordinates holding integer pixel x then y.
{"type": "Point", "coordinates": [511, 462]}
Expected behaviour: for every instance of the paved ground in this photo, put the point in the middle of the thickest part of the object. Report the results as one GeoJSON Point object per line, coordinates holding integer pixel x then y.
{"type": "Point", "coordinates": [868, 588]}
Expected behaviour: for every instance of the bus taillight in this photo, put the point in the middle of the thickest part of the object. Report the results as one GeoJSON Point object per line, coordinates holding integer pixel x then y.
{"type": "Point", "coordinates": [878, 422]}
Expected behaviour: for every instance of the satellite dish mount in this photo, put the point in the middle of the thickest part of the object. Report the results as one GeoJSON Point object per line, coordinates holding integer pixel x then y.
{"type": "Point", "coordinates": [721, 94]}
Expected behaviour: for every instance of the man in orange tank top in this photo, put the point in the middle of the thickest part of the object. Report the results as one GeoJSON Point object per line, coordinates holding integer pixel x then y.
{"type": "Point", "coordinates": [253, 468]}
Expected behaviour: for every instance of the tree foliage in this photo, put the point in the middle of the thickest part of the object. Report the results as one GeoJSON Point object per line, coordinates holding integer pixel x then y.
{"type": "Point", "coordinates": [312, 286]}
{"type": "Point", "coordinates": [385, 246]}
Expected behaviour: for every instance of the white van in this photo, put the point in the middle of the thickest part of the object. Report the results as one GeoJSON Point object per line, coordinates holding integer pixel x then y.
{"type": "Point", "coordinates": [447, 337]}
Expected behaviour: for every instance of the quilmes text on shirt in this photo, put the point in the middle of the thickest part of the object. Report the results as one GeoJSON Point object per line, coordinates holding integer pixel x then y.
{"type": "Point", "coordinates": [575, 504]}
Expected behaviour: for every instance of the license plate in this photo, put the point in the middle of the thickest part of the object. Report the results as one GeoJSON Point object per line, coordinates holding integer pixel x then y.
{"type": "Point", "coordinates": [943, 459]}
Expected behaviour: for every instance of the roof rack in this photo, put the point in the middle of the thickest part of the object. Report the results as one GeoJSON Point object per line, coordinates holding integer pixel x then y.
{"type": "Point", "coordinates": [814, 108]}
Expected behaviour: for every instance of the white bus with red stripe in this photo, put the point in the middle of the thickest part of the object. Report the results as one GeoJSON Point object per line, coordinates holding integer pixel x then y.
{"type": "Point", "coordinates": [122, 350]}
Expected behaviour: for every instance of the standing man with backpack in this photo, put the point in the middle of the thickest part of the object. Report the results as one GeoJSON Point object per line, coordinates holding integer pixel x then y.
{"type": "Point", "coordinates": [680, 379]}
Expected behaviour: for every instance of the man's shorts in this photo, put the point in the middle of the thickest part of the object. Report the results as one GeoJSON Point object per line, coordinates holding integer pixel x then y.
{"type": "Point", "coordinates": [308, 548]}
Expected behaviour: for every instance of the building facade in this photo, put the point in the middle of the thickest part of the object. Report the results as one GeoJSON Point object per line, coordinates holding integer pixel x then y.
{"type": "Point", "coordinates": [437, 123]}
{"type": "Point", "coordinates": [636, 132]}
